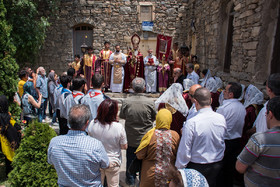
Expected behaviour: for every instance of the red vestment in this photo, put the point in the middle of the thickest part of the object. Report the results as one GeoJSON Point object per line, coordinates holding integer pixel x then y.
{"type": "Point", "coordinates": [178, 120]}
{"type": "Point", "coordinates": [133, 68]}
{"type": "Point", "coordinates": [187, 99]}
{"type": "Point", "coordinates": [105, 67]}
{"type": "Point", "coordinates": [215, 100]}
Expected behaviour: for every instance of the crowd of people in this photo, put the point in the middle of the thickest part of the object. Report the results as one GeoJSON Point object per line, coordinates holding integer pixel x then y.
{"type": "Point", "coordinates": [197, 133]}
{"type": "Point", "coordinates": [119, 69]}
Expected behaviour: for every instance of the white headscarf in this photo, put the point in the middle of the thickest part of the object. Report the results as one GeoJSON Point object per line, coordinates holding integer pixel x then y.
{"type": "Point", "coordinates": [211, 85]}
{"type": "Point", "coordinates": [204, 80]}
{"type": "Point", "coordinates": [242, 93]}
{"type": "Point", "coordinates": [187, 84]}
{"type": "Point", "coordinates": [219, 82]}
{"type": "Point", "coordinates": [173, 96]}
{"type": "Point", "coordinates": [253, 96]}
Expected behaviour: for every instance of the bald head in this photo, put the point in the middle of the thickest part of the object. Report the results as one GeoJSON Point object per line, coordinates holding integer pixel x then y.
{"type": "Point", "coordinates": [203, 97]}
{"type": "Point", "coordinates": [193, 88]}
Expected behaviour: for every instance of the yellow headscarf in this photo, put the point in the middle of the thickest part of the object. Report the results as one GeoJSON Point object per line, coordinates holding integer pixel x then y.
{"type": "Point", "coordinates": [163, 121]}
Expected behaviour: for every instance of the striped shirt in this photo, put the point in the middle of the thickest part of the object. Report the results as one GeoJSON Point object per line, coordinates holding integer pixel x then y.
{"type": "Point", "coordinates": [77, 159]}
{"type": "Point", "coordinates": [262, 155]}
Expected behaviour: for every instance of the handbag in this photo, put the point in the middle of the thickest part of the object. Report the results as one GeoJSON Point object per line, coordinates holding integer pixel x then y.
{"type": "Point", "coordinates": [135, 166]}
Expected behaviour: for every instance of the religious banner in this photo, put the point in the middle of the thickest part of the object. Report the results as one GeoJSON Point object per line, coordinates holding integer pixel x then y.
{"type": "Point", "coordinates": [163, 46]}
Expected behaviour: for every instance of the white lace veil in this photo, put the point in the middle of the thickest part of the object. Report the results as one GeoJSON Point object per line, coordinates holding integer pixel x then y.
{"type": "Point", "coordinates": [173, 96]}
{"type": "Point", "coordinates": [253, 96]}
{"type": "Point", "coordinates": [204, 80]}
{"type": "Point", "coordinates": [242, 93]}
{"type": "Point", "coordinates": [187, 84]}
{"type": "Point", "coordinates": [219, 82]}
{"type": "Point", "coordinates": [211, 85]}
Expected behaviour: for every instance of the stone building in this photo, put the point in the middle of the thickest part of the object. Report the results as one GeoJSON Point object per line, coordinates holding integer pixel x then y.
{"type": "Point", "coordinates": [237, 39]}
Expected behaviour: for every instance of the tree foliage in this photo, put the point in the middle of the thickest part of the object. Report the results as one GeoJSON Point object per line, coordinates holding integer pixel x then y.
{"type": "Point", "coordinates": [23, 31]}
{"type": "Point", "coordinates": [8, 65]}
{"type": "Point", "coordinates": [29, 28]}
{"type": "Point", "coordinates": [30, 162]}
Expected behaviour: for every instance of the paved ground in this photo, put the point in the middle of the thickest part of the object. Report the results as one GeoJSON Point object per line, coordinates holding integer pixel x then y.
{"type": "Point", "coordinates": [119, 97]}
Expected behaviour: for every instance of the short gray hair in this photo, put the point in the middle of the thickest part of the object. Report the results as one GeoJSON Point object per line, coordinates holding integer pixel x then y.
{"type": "Point", "coordinates": [203, 96]}
{"type": "Point", "coordinates": [138, 85]}
{"type": "Point", "coordinates": [78, 116]}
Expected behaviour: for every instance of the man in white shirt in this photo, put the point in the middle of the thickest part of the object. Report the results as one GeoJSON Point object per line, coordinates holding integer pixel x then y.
{"type": "Point", "coordinates": [191, 73]}
{"type": "Point", "coordinates": [192, 111]}
{"type": "Point", "coordinates": [202, 144]}
{"type": "Point", "coordinates": [234, 112]}
{"type": "Point", "coordinates": [272, 90]}
{"type": "Point", "coordinates": [94, 96]}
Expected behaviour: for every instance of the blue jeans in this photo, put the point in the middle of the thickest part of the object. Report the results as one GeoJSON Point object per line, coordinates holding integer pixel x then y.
{"type": "Point", "coordinates": [42, 110]}
{"type": "Point", "coordinates": [54, 117]}
{"type": "Point", "coordinates": [130, 156]}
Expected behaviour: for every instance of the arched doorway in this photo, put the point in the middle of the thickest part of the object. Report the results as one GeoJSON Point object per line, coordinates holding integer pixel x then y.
{"type": "Point", "coordinates": [82, 33]}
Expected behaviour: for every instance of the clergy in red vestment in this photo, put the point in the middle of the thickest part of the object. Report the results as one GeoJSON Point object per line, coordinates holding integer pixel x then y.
{"type": "Point", "coordinates": [173, 100]}
{"type": "Point", "coordinates": [163, 70]}
{"type": "Point", "coordinates": [105, 67]}
{"type": "Point", "coordinates": [135, 64]}
{"type": "Point", "coordinates": [87, 67]}
{"type": "Point", "coordinates": [174, 53]}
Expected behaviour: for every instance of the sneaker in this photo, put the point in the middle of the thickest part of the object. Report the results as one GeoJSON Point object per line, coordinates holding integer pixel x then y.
{"type": "Point", "coordinates": [43, 121]}
{"type": "Point", "coordinates": [48, 120]}
{"type": "Point", "coordinates": [55, 124]}
{"type": "Point", "coordinates": [130, 182]}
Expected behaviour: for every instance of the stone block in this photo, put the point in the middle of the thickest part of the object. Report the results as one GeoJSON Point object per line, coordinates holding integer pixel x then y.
{"type": "Point", "coordinates": [85, 12]}
{"type": "Point", "coordinates": [250, 45]}
{"type": "Point", "coordinates": [238, 7]}
{"type": "Point", "coordinates": [125, 10]}
{"type": "Point", "coordinates": [256, 31]}
{"type": "Point", "coordinates": [252, 53]}
{"type": "Point", "coordinates": [246, 14]}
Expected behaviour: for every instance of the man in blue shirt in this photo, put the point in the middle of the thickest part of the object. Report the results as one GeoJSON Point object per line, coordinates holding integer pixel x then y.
{"type": "Point", "coordinates": [76, 156]}
{"type": "Point", "coordinates": [42, 87]}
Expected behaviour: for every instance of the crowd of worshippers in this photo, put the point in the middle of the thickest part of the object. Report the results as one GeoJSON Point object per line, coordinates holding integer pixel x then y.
{"type": "Point", "coordinates": [192, 135]}
{"type": "Point", "coordinates": [119, 69]}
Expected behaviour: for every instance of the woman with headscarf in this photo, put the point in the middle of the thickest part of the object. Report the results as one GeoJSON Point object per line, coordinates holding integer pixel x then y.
{"type": "Point", "coordinates": [172, 99]}
{"type": "Point", "coordinates": [157, 150]}
{"type": "Point", "coordinates": [212, 86]}
{"type": "Point", "coordinates": [253, 101]}
{"type": "Point", "coordinates": [28, 102]}
{"type": "Point", "coordinates": [205, 74]}
{"type": "Point", "coordinates": [187, 83]}
{"type": "Point", "coordinates": [52, 78]}
{"type": "Point", "coordinates": [9, 133]}
{"type": "Point", "coordinates": [186, 178]}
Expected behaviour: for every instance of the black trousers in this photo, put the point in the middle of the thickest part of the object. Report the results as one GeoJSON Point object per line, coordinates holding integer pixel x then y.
{"type": "Point", "coordinates": [228, 170]}
{"type": "Point", "coordinates": [63, 128]}
{"type": "Point", "coordinates": [209, 171]}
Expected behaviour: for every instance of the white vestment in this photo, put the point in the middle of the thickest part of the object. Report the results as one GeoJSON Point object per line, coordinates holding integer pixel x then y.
{"type": "Point", "coordinates": [117, 87]}
{"type": "Point", "coordinates": [151, 74]}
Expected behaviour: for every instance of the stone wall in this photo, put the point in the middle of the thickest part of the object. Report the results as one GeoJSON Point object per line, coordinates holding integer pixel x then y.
{"type": "Point", "coordinates": [254, 25]}
{"type": "Point", "coordinates": [113, 21]}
